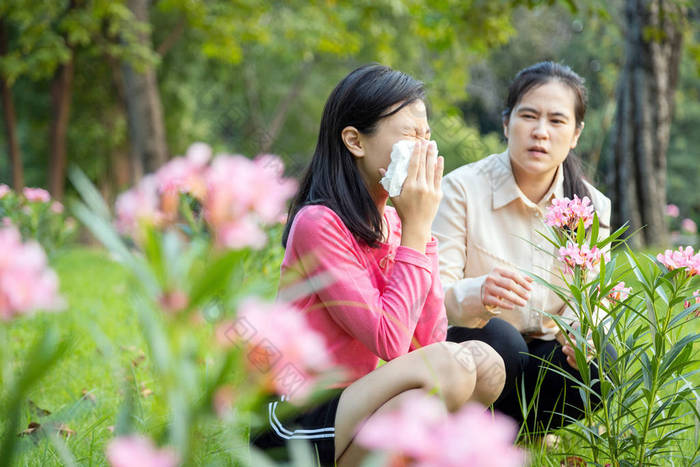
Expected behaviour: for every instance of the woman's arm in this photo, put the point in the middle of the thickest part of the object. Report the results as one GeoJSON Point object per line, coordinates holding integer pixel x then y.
{"type": "Point", "coordinates": [383, 320]}
{"type": "Point", "coordinates": [462, 295]}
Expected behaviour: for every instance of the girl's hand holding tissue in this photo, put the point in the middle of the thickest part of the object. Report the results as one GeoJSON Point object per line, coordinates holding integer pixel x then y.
{"type": "Point", "coordinates": [420, 196]}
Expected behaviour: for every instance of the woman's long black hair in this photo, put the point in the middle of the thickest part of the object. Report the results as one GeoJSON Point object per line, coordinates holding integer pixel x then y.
{"type": "Point", "coordinates": [542, 73]}
{"type": "Point", "coordinates": [332, 179]}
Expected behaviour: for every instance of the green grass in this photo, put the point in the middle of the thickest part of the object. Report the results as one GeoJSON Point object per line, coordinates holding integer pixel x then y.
{"type": "Point", "coordinates": [107, 353]}
{"type": "Point", "coordinates": [103, 339]}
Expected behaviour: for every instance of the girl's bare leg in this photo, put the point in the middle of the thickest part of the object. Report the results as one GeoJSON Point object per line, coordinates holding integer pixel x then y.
{"type": "Point", "coordinates": [454, 372]}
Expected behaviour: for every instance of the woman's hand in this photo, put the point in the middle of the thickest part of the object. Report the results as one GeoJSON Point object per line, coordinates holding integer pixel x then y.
{"type": "Point", "coordinates": [505, 289]}
{"type": "Point", "coordinates": [420, 196]}
{"type": "Point", "coordinates": [569, 351]}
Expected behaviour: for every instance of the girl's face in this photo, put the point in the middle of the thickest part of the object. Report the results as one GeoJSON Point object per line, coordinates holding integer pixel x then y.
{"type": "Point", "coordinates": [375, 149]}
{"type": "Point", "coordinates": [541, 129]}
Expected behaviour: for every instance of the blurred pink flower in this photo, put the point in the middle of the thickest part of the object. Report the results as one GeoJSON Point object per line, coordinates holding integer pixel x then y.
{"type": "Point", "coordinates": [26, 281]}
{"type": "Point", "coordinates": [238, 195]}
{"type": "Point", "coordinates": [56, 207]}
{"type": "Point", "coordinates": [139, 451]}
{"type": "Point", "coordinates": [139, 204]}
{"type": "Point", "coordinates": [4, 189]}
{"type": "Point", "coordinates": [242, 193]}
{"type": "Point", "coordinates": [689, 303]}
{"type": "Point", "coordinates": [566, 213]}
{"type": "Point", "coordinates": [672, 210]}
{"type": "Point", "coordinates": [184, 175]}
{"type": "Point", "coordinates": [241, 234]}
{"type": "Point", "coordinates": [36, 194]}
{"type": "Point", "coordinates": [585, 256]}
{"type": "Point", "coordinates": [421, 431]}
{"type": "Point", "coordinates": [199, 154]}
{"type": "Point", "coordinates": [283, 350]}
{"type": "Point", "coordinates": [689, 226]}
{"type": "Point", "coordinates": [619, 292]}
{"type": "Point", "coordinates": [681, 258]}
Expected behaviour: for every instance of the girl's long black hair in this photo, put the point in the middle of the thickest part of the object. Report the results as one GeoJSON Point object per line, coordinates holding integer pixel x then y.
{"type": "Point", "coordinates": [332, 179]}
{"type": "Point", "coordinates": [539, 74]}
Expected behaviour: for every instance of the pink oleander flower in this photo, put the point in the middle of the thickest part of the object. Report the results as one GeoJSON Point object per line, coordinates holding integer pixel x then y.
{"type": "Point", "coordinates": [26, 281]}
{"type": "Point", "coordinates": [4, 189]}
{"type": "Point", "coordinates": [139, 204]}
{"type": "Point", "coordinates": [284, 353]}
{"type": "Point", "coordinates": [672, 210]}
{"type": "Point", "coordinates": [139, 451]}
{"type": "Point", "coordinates": [585, 256]}
{"type": "Point", "coordinates": [619, 292]}
{"type": "Point", "coordinates": [36, 195]}
{"type": "Point", "coordinates": [566, 213]}
{"type": "Point", "coordinates": [681, 258]}
{"type": "Point", "coordinates": [242, 194]}
{"type": "Point", "coordinates": [689, 226]}
{"type": "Point", "coordinates": [689, 303]}
{"type": "Point", "coordinates": [421, 433]}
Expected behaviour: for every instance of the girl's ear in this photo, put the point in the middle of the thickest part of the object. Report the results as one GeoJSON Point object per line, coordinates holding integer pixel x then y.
{"type": "Point", "coordinates": [352, 140]}
{"type": "Point", "coordinates": [505, 128]}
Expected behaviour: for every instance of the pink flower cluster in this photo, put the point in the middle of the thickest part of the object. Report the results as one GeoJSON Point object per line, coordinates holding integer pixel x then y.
{"type": "Point", "coordinates": [242, 194]}
{"type": "Point", "coordinates": [139, 451]}
{"type": "Point", "coordinates": [585, 256]}
{"type": "Point", "coordinates": [681, 258]}
{"type": "Point", "coordinates": [619, 292]}
{"type": "Point", "coordinates": [421, 433]}
{"type": "Point", "coordinates": [26, 281]}
{"type": "Point", "coordinates": [237, 194]}
{"type": "Point", "coordinates": [34, 195]}
{"type": "Point", "coordinates": [689, 303]}
{"type": "Point", "coordinates": [672, 210]}
{"type": "Point", "coordinates": [566, 213]}
{"type": "Point", "coordinates": [689, 226]}
{"type": "Point", "coordinates": [284, 352]}
{"type": "Point", "coordinates": [38, 195]}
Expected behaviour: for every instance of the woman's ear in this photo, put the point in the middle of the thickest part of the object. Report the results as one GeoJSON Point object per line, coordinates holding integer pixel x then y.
{"type": "Point", "coordinates": [577, 134]}
{"type": "Point", "coordinates": [505, 128]}
{"type": "Point", "coordinates": [352, 140]}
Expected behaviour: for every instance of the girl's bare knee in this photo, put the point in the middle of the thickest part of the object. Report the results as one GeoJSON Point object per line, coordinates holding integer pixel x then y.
{"type": "Point", "coordinates": [453, 373]}
{"type": "Point", "coordinates": [490, 372]}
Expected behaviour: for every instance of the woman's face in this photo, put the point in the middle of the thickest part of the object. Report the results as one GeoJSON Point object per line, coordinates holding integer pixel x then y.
{"type": "Point", "coordinates": [408, 123]}
{"type": "Point", "coordinates": [541, 129]}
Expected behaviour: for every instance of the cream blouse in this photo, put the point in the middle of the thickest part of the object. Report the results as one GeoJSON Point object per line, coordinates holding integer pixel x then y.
{"type": "Point", "coordinates": [484, 221]}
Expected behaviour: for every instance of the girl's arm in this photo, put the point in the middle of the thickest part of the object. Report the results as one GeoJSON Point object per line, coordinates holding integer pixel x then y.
{"type": "Point", "coordinates": [432, 325]}
{"type": "Point", "coordinates": [384, 321]}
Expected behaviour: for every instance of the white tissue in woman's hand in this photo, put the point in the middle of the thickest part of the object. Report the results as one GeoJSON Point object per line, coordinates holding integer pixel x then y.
{"type": "Point", "coordinates": [396, 173]}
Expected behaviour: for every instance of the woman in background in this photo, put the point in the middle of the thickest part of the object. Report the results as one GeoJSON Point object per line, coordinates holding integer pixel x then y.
{"type": "Point", "coordinates": [487, 227]}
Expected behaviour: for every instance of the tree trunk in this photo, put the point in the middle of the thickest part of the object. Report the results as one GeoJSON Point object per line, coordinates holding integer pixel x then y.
{"type": "Point", "coordinates": [643, 119]}
{"type": "Point", "coordinates": [61, 95]}
{"type": "Point", "coordinates": [144, 110]}
{"type": "Point", "coordinates": [10, 117]}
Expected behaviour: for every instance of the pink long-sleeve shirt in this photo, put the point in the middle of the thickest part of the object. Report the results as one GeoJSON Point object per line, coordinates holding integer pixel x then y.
{"type": "Point", "coordinates": [368, 303]}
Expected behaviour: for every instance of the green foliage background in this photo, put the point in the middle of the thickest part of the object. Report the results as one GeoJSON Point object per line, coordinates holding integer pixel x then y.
{"type": "Point", "coordinates": [234, 61]}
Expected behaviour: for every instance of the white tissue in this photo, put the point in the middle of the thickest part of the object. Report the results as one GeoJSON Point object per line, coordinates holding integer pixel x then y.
{"type": "Point", "coordinates": [396, 173]}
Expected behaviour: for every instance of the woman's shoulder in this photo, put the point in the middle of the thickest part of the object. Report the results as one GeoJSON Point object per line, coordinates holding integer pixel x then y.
{"type": "Point", "coordinates": [599, 200]}
{"type": "Point", "coordinates": [480, 172]}
{"type": "Point", "coordinates": [478, 179]}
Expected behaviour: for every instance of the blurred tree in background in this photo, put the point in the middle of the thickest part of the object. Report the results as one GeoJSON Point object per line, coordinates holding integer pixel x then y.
{"type": "Point", "coordinates": [118, 86]}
